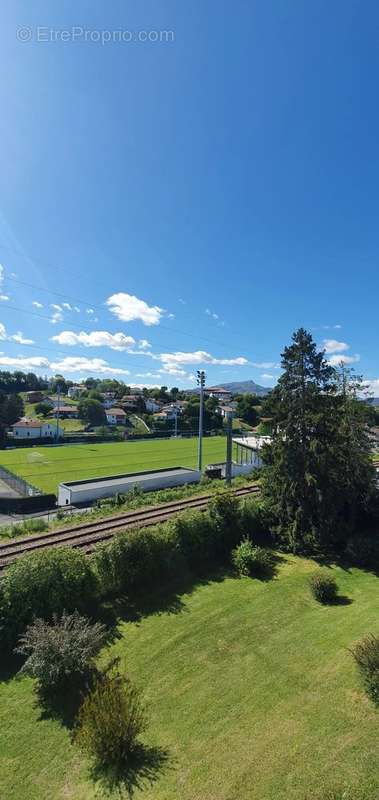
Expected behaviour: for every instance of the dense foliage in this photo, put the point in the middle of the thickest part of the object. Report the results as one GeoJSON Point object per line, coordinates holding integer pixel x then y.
{"type": "Point", "coordinates": [366, 655]}
{"type": "Point", "coordinates": [43, 584]}
{"type": "Point", "coordinates": [248, 408]}
{"type": "Point", "coordinates": [60, 652]}
{"type": "Point", "coordinates": [92, 412]}
{"type": "Point", "coordinates": [319, 479]}
{"type": "Point", "coordinates": [250, 560]}
{"type": "Point", "coordinates": [111, 720]}
{"type": "Point", "coordinates": [323, 587]}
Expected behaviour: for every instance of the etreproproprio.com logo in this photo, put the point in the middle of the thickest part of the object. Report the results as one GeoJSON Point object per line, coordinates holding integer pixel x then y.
{"type": "Point", "coordinates": [77, 33]}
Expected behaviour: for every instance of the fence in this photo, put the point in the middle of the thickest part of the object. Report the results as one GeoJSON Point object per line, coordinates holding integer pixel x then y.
{"type": "Point", "coordinates": [18, 484]}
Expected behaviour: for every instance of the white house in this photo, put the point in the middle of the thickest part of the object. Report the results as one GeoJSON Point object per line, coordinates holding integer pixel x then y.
{"type": "Point", "coordinates": [152, 406]}
{"type": "Point", "coordinates": [35, 429]}
{"type": "Point", "coordinates": [115, 416]}
{"type": "Point", "coordinates": [226, 410]}
{"type": "Point", "coordinates": [222, 395]}
{"type": "Point", "coordinates": [75, 391]}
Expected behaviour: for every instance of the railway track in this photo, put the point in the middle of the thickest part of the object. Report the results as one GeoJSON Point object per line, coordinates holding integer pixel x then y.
{"type": "Point", "coordinates": [89, 534]}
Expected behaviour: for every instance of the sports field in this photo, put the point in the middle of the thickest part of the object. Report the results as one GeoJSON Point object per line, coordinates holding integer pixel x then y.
{"type": "Point", "coordinates": [45, 467]}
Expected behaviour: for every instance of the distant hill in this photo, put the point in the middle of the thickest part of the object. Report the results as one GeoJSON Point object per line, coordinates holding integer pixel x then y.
{"type": "Point", "coordinates": [245, 387]}
{"type": "Point", "coordinates": [374, 401]}
{"type": "Point", "coordinates": [240, 387]}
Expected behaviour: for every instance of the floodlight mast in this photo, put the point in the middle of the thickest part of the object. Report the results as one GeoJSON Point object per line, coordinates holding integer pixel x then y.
{"type": "Point", "coordinates": [201, 383]}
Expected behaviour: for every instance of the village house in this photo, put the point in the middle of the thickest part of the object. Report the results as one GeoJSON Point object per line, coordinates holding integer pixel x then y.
{"type": "Point", "coordinates": [115, 416]}
{"type": "Point", "coordinates": [75, 391]}
{"type": "Point", "coordinates": [34, 397]}
{"type": "Point", "coordinates": [222, 395]}
{"type": "Point", "coordinates": [152, 406]}
{"type": "Point", "coordinates": [68, 412]}
{"type": "Point", "coordinates": [27, 428]}
{"type": "Point", "coordinates": [227, 410]}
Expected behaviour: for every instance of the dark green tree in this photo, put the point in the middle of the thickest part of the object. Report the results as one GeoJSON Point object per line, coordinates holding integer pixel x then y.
{"type": "Point", "coordinates": [11, 409]}
{"type": "Point", "coordinates": [247, 408]}
{"type": "Point", "coordinates": [91, 412]}
{"type": "Point", "coordinates": [313, 489]}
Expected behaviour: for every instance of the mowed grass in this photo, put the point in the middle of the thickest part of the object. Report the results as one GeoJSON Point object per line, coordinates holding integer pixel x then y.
{"type": "Point", "coordinates": [45, 467]}
{"type": "Point", "coordinates": [251, 691]}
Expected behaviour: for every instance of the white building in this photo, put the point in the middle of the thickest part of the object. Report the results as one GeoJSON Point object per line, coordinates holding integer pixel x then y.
{"type": "Point", "coordinates": [222, 395]}
{"type": "Point", "coordinates": [152, 406]}
{"type": "Point", "coordinates": [75, 391]}
{"type": "Point", "coordinates": [248, 449]}
{"type": "Point", "coordinates": [35, 429]}
{"type": "Point", "coordinates": [116, 416]}
{"type": "Point", "coordinates": [86, 491]}
{"type": "Point", "coordinates": [227, 410]}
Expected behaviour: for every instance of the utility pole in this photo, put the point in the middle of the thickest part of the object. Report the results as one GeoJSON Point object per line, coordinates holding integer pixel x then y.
{"type": "Point", "coordinates": [229, 445]}
{"type": "Point", "coordinates": [58, 409]}
{"type": "Point", "coordinates": [201, 382]}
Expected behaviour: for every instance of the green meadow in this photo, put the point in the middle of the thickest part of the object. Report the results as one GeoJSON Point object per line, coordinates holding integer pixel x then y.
{"type": "Point", "coordinates": [251, 693]}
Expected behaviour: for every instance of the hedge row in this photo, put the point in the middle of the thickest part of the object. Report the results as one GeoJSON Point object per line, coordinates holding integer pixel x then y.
{"type": "Point", "coordinates": [52, 581]}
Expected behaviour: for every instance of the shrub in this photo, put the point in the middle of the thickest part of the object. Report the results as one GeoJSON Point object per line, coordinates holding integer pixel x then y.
{"type": "Point", "coordinates": [42, 584]}
{"type": "Point", "coordinates": [366, 655]}
{"type": "Point", "coordinates": [110, 720]}
{"type": "Point", "coordinates": [60, 652]}
{"type": "Point", "coordinates": [256, 522]}
{"type": "Point", "coordinates": [137, 559]}
{"type": "Point", "coordinates": [250, 560]}
{"type": "Point", "coordinates": [323, 587]}
{"type": "Point", "coordinates": [197, 538]}
{"type": "Point", "coordinates": [224, 513]}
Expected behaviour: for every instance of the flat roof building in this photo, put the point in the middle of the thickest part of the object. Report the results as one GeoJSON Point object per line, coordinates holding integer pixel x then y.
{"type": "Point", "coordinates": [85, 492]}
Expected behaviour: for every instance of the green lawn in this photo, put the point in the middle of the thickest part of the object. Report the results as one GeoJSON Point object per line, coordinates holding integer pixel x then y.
{"type": "Point", "coordinates": [45, 467]}
{"type": "Point", "coordinates": [251, 692]}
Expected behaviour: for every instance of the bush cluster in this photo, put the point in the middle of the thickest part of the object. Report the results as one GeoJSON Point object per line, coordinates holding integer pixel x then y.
{"type": "Point", "coordinates": [323, 587]}
{"type": "Point", "coordinates": [110, 721]}
{"type": "Point", "coordinates": [250, 560]}
{"type": "Point", "coordinates": [64, 580]}
{"type": "Point", "coordinates": [43, 584]}
{"type": "Point", "coordinates": [62, 652]}
{"type": "Point", "coordinates": [366, 655]}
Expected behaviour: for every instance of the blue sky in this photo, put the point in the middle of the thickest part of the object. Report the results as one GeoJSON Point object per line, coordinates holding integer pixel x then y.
{"type": "Point", "coordinates": [196, 196]}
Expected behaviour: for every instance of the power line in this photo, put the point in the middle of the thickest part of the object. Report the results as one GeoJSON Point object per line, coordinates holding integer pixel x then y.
{"type": "Point", "coordinates": [170, 328]}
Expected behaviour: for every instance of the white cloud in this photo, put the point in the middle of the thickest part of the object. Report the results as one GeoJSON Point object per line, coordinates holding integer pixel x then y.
{"type": "Point", "coordinates": [89, 311]}
{"type": "Point", "coordinates": [199, 357]}
{"type": "Point", "coordinates": [77, 309]}
{"type": "Point", "coordinates": [127, 307]}
{"type": "Point", "coordinates": [90, 365]}
{"type": "Point", "coordinates": [332, 346]}
{"type": "Point", "coordinates": [267, 377]}
{"type": "Point", "coordinates": [22, 362]}
{"type": "Point", "coordinates": [265, 365]}
{"type": "Point", "coordinates": [372, 386]}
{"type": "Point", "coordinates": [55, 307]}
{"type": "Point", "coordinates": [37, 304]}
{"type": "Point", "coordinates": [20, 338]}
{"type": "Point", "coordinates": [56, 317]}
{"type": "Point", "coordinates": [211, 313]}
{"type": "Point", "coordinates": [116, 341]}
{"type": "Point", "coordinates": [67, 306]}
{"type": "Point", "coordinates": [332, 327]}
{"type": "Point", "coordinates": [14, 337]}
{"type": "Point", "coordinates": [4, 297]}
{"type": "Point", "coordinates": [337, 359]}
{"type": "Point", "coordinates": [144, 344]}
{"type": "Point", "coordinates": [183, 302]}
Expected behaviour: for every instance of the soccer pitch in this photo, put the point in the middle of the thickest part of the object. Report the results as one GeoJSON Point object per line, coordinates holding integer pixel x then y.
{"type": "Point", "coordinates": [45, 467]}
